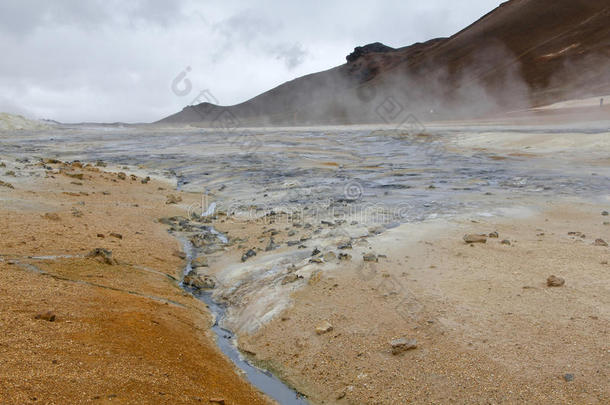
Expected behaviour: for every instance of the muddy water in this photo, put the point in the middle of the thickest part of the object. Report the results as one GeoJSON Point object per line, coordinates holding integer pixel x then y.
{"type": "Point", "coordinates": [409, 178]}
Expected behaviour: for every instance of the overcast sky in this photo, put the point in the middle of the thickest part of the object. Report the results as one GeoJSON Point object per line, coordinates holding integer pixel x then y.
{"type": "Point", "coordinates": [115, 60]}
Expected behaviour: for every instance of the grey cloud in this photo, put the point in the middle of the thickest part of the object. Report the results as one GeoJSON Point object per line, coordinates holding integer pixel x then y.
{"type": "Point", "coordinates": [109, 60]}
{"type": "Point", "coordinates": [246, 26]}
{"type": "Point", "coordinates": [292, 55]}
{"type": "Point", "coordinates": [22, 17]}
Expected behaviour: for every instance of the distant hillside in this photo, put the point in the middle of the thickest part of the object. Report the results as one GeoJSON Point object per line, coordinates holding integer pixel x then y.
{"type": "Point", "coordinates": [11, 122]}
{"type": "Point", "coordinates": [525, 53]}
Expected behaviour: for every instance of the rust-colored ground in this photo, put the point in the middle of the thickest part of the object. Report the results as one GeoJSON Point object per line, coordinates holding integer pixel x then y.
{"type": "Point", "coordinates": [123, 333]}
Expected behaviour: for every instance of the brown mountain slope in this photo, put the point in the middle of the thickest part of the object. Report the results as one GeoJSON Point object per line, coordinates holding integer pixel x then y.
{"type": "Point", "coordinates": [522, 54]}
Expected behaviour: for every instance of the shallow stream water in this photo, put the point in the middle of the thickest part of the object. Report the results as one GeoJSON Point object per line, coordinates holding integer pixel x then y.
{"type": "Point", "coordinates": [262, 379]}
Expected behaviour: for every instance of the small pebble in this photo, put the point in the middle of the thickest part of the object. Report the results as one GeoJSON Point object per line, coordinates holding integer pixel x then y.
{"type": "Point", "coordinates": [46, 316]}
{"type": "Point", "coordinates": [554, 281]}
{"type": "Point", "coordinates": [472, 238]}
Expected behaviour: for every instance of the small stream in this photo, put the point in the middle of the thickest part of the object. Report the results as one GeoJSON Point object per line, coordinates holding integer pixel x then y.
{"type": "Point", "coordinates": [261, 379]}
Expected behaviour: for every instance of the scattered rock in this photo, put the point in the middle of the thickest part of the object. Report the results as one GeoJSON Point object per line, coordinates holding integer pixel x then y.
{"type": "Point", "coordinates": [121, 176]}
{"type": "Point", "coordinates": [173, 199]}
{"type": "Point", "coordinates": [472, 238]}
{"type": "Point", "coordinates": [376, 230]}
{"type": "Point", "coordinates": [179, 254]}
{"type": "Point", "coordinates": [217, 401]}
{"type": "Point", "coordinates": [201, 261]}
{"type": "Point", "coordinates": [600, 242]}
{"type": "Point", "coordinates": [568, 377]}
{"type": "Point", "coordinates": [554, 281]}
{"type": "Point", "coordinates": [5, 184]}
{"type": "Point", "coordinates": [316, 260]}
{"type": "Point", "coordinates": [370, 257]}
{"type": "Point", "coordinates": [145, 180]}
{"type": "Point", "coordinates": [291, 278]}
{"type": "Point", "coordinates": [505, 242]}
{"type": "Point", "coordinates": [100, 235]}
{"type": "Point", "coordinates": [100, 163]}
{"type": "Point", "coordinates": [323, 328]}
{"type": "Point", "coordinates": [116, 235]}
{"type": "Point", "coordinates": [10, 173]}
{"type": "Point", "coordinates": [402, 345]}
{"type": "Point", "coordinates": [345, 256]}
{"type": "Point", "coordinates": [103, 255]}
{"type": "Point", "coordinates": [315, 252]}
{"type": "Point", "coordinates": [165, 221]}
{"type": "Point", "coordinates": [133, 177]}
{"type": "Point", "coordinates": [199, 282]}
{"type": "Point", "coordinates": [246, 349]}
{"type": "Point", "coordinates": [605, 213]}
{"type": "Point", "coordinates": [494, 235]}
{"type": "Point", "coordinates": [578, 234]}
{"type": "Point", "coordinates": [48, 316]}
{"type": "Point", "coordinates": [250, 253]}
{"type": "Point", "coordinates": [51, 216]}
{"type": "Point", "coordinates": [78, 176]}
{"type": "Point", "coordinates": [345, 246]}
{"type": "Point", "coordinates": [271, 245]}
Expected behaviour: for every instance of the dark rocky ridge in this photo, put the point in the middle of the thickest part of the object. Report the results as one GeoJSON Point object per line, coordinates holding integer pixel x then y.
{"type": "Point", "coordinates": [375, 47]}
